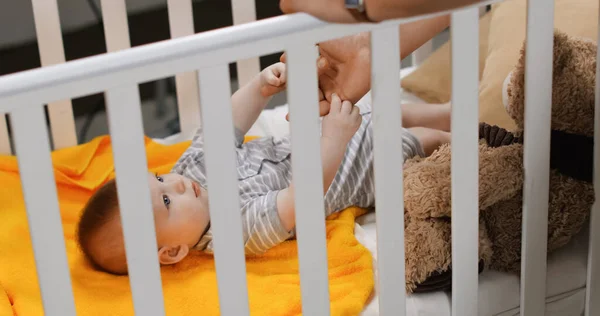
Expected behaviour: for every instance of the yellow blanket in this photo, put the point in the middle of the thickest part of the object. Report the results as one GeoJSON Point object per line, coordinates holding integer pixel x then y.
{"type": "Point", "coordinates": [189, 287]}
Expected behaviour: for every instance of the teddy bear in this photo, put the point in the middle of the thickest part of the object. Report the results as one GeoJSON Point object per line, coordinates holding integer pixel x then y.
{"type": "Point", "coordinates": [427, 181]}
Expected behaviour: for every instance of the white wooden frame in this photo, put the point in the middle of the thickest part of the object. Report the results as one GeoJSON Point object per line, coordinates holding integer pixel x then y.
{"type": "Point", "coordinates": [200, 64]}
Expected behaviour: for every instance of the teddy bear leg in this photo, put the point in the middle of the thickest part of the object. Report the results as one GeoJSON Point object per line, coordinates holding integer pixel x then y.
{"type": "Point", "coordinates": [429, 254]}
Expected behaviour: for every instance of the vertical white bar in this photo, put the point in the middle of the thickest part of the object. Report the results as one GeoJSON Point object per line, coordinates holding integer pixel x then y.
{"type": "Point", "coordinates": [308, 178]}
{"type": "Point", "coordinates": [4, 139]}
{"type": "Point", "coordinates": [116, 27]}
{"type": "Point", "coordinates": [50, 43]}
{"type": "Point", "coordinates": [387, 132]}
{"type": "Point", "coordinates": [181, 22]}
{"type": "Point", "coordinates": [223, 195]}
{"type": "Point", "coordinates": [129, 154]}
{"type": "Point", "coordinates": [538, 106]}
{"type": "Point", "coordinates": [43, 214]}
{"type": "Point", "coordinates": [244, 11]}
{"type": "Point", "coordinates": [465, 161]}
{"type": "Point", "coordinates": [593, 268]}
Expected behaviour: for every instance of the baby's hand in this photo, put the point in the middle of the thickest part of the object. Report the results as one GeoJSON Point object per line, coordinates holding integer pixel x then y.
{"type": "Point", "coordinates": [342, 121]}
{"type": "Point", "coordinates": [273, 79]}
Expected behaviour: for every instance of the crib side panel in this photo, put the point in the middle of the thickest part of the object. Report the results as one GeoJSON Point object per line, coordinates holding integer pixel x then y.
{"type": "Point", "coordinates": [224, 205]}
{"type": "Point", "coordinates": [43, 214]}
{"type": "Point", "coordinates": [593, 268]}
{"type": "Point", "coordinates": [465, 161]}
{"type": "Point", "coordinates": [244, 11]}
{"type": "Point", "coordinates": [181, 23]}
{"type": "Point", "coordinates": [387, 146]}
{"type": "Point", "coordinates": [50, 43]}
{"type": "Point", "coordinates": [538, 103]}
{"type": "Point", "coordinates": [308, 177]}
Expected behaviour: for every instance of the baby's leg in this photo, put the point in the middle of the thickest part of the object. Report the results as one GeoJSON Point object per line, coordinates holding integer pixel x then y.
{"type": "Point", "coordinates": [435, 116]}
{"type": "Point", "coordinates": [430, 139]}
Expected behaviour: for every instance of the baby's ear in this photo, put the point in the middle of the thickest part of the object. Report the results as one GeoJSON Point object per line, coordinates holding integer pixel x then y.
{"type": "Point", "coordinates": [172, 254]}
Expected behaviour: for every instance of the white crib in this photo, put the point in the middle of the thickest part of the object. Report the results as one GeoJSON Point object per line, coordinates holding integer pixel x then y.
{"type": "Point", "coordinates": [200, 63]}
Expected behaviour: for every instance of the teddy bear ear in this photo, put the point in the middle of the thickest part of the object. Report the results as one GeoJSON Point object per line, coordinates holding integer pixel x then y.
{"type": "Point", "coordinates": [574, 68]}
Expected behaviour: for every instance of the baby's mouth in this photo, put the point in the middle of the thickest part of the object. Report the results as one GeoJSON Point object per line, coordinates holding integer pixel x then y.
{"type": "Point", "coordinates": [196, 188]}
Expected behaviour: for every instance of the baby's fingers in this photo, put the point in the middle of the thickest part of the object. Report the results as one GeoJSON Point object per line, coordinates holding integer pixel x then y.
{"type": "Point", "coordinates": [272, 78]}
{"type": "Point", "coordinates": [355, 111]}
{"type": "Point", "coordinates": [347, 107]}
{"type": "Point", "coordinates": [336, 103]}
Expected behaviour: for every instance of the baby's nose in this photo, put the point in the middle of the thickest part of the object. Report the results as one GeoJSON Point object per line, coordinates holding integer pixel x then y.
{"type": "Point", "coordinates": [180, 187]}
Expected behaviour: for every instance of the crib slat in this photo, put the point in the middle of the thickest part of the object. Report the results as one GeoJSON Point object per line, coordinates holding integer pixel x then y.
{"type": "Point", "coordinates": [593, 268]}
{"type": "Point", "coordinates": [50, 43]}
{"type": "Point", "coordinates": [244, 11]}
{"type": "Point", "coordinates": [308, 178]}
{"type": "Point", "coordinates": [181, 22]}
{"type": "Point", "coordinates": [4, 139]}
{"type": "Point", "coordinates": [538, 103]}
{"type": "Point", "coordinates": [43, 214]}
{"type": "Point", "coordinates": [116, 27]}
{"type": "Point", "coordinates": [465, 161]}
{"type": "Point", "coordinates": [129, 154]}
{"type": "Point", "coordinates": [387, 131]}
{"type": "Point", "coordinates": [223, 196]}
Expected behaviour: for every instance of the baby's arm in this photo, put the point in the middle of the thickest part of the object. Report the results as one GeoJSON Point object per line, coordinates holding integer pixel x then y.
{"type": "Point", "coordinates": [339, 126]}
{"type": "Point", "coordinates": [248, 101]}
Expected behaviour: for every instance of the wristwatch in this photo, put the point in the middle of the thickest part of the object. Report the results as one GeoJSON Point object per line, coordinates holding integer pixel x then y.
{"type": "Point", "coordinates": [357, 8]}
{"type": "Point", "coordinates": [357, 5]}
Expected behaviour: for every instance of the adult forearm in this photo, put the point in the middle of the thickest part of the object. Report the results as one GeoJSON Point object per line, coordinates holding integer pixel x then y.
{"type": "Point", "coordinates": [379, 10]}
{"type": "Point", "coordinates": [413, 35]}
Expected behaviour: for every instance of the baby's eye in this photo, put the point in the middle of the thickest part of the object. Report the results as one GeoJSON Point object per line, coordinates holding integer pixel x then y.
{"type": "Point", "coordinates": [166, 200]}
{"type": "Point", "coordinates": [159, 178]}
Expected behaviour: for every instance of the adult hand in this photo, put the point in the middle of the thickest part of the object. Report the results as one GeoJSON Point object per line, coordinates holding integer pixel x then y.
{"type": "Point", "coordinates": [326, 10]}
{"type": "Point", "coordinates": [344, 68]}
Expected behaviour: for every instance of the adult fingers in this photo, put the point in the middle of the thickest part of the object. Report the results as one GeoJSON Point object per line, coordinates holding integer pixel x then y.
{"type": "Point", "coordinates": [322, 65]}
{"type": "Point", "coordinates": [324, 107]}
{"type": "Point", "coordinates": [288, 6]}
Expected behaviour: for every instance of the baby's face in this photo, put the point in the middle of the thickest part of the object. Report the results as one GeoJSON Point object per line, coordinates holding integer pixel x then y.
{"type": "Point", "coordinates": [180, 209]}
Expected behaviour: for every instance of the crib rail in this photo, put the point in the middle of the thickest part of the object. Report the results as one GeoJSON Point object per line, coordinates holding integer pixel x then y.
{"type": "Point", "coordinates": [538, 98]}
{"type": "Point", "coordinates": [592, 298]}
{"type": "Point", "coordinates": [181, 23]}
{"type": "Point", "coordinates": [50, 43]}
{"type": "Point", "coordinates": [203, 60]}
{"type": "Point", "coordinates": [465, 161]}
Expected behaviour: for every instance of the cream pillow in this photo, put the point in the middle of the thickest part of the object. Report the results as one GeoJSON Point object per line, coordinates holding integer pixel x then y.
{"type": "Point", "coordinates": [432, 80]}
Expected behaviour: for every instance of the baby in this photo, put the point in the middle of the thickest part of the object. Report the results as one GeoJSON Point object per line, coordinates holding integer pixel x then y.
{"type": "Point", "coordinates": [266, 192]}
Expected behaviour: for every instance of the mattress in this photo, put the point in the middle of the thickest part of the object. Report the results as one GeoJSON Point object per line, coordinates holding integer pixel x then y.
{"type": "Point", "coordinates": [499, 292]}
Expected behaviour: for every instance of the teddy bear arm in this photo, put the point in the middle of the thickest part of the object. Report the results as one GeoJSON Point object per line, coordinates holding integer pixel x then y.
{"type": "Point", "coordinates": [500, 173]}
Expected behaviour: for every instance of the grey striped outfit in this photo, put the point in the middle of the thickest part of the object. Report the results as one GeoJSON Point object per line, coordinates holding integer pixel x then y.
{"type": "Point", "coordinates": [264, 168]}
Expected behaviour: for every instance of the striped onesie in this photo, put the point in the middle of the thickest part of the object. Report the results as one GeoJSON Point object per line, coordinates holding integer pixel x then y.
{"type": "Point", "coordinates": [264, 168]}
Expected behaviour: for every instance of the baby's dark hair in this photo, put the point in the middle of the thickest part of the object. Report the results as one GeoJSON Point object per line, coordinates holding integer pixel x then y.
{"type": "Point", "coordinates": [101, 208]}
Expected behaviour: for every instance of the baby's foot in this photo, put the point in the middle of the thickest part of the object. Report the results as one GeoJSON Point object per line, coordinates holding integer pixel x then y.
{"type": "Point", "coordinates": [430, 139]}
{"type": "Point", "coordinates": [435, 116]}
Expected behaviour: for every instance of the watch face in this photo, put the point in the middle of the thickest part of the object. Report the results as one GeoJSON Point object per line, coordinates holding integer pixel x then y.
{"type": "Point", "coordinates": [352, 3]}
